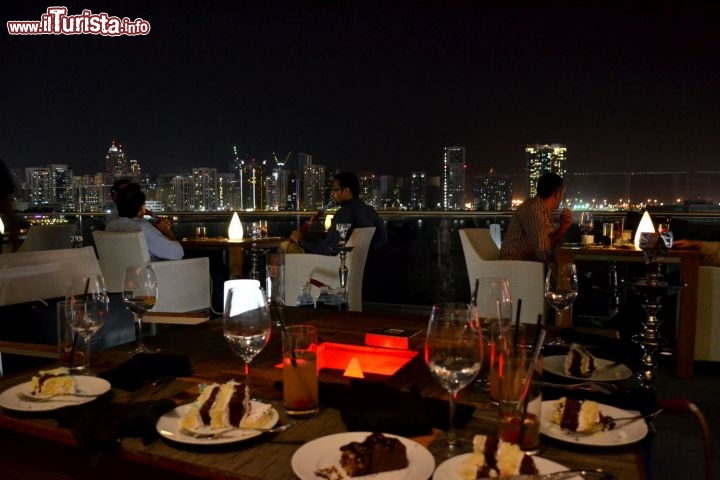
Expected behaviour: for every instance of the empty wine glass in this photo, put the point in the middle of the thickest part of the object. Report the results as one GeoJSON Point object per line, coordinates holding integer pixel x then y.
{"type": "Point", "coordinates": [246, 323]}
{"type": "Point", "coordinates": [139, 295]}
{"type": "Point", "coordinates": [494, 315]}
{"type": "Point", "coordinates": [453, 353]}
{"type": "Point", "coordinates": [343, 229]}
{"type": "Point", "coordinates": [586, 223]}
{"type": "Point", "coordinates": [86, 308]}
{"type": "Point", "coordinates": [561, 290]}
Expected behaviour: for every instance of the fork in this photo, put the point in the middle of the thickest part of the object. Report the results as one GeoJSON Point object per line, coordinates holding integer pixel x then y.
{"type": "Point", "coordinates": [53, 398]}
{"type": "Point", "coordinates": [567, 474]}
{"type": "Point", "coordinates": [617, 422]}
{"type": "Point", "coordinates": [222, 432]}
{"type": "Point", "coordinates": [607, 388]}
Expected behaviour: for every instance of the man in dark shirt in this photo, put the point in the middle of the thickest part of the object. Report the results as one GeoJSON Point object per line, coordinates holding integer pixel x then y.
{"type": "Point", "coordinates": [345, 192]}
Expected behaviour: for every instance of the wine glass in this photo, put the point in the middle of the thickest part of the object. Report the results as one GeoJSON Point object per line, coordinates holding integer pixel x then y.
{"type": "Point", "coordinates": [453, 352]}
{"type": "Point", "coordinates": [343, 229]}
{"type": "Point", "coordinates": [86, 308]}
{"type": "Point", "coordinates": [586, 223]}
{"type": "Point", "coordinates": [494, 315]}
{"type": "Point", "coordinates": [561, 289]}
{"type": "Point", "coordinates": [246, 323]}
{"type": "Point", "coordinates": [139, 295]}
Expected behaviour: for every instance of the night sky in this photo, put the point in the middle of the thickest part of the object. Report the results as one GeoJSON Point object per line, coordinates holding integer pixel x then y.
{"type": "Point", "coordinates": [364, 85]}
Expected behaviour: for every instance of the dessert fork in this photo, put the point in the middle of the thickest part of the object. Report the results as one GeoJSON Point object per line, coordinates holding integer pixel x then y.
{"type": "Point", "coordinates": [567, 474]}
{"type": "Point", "coordinates": [220, 433]}
{"type": "Point", "coordinates": [617, 422]}
{"type": "Point", "coordinates": [48, 398]}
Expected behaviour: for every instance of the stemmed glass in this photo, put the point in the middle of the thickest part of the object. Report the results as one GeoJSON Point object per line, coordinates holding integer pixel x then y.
{"type": "Point", "coordinates": [86, 308]}
{"type": "Point", "coordinates": [586, 222]}
{"type": "Point", "coordinates": [494, 315]}
{"type": "Point", "coordinates": [246, 323]}
{"type": "Point", "coordinates": [343, 229]}
{"type": "Point", "coordinates": [139, 295]}
{"type": "Point", "coordinates": [561, 290]}
{"type": "Point", "coordinates": [453, 352]}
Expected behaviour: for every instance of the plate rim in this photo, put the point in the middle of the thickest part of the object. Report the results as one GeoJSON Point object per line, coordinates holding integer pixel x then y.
{"type": "Point", "coordinates": [28, 406]}
{"type": "Point", "coordinates": [582, 440]}
{"type": "Point", "coordinates": [553, 464]}
{"type": "Point", "coordinates": [180, 410]}
{"type": "Point", "coordinates": [601, 362]}
{"type": "Point", "coordinates": [346, 437]}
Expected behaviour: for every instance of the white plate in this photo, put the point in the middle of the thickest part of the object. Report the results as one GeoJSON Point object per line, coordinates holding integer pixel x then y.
{"type": "Point", "coordinates": [556, 365]}
{"type": "Point", "coordinates": [622, 435]}
{"type": "Point", "coordinates": [168, 426]}
{"type": "Point", "coordinates": [86, 385]}
{"type": "Point", "coordinates": [450, 468]}
{"type": "Point", "coordinates": [324, 452]}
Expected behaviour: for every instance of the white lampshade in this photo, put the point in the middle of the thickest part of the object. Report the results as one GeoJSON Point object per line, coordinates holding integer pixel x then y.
{"type": "Point", "coordinates": [235, 230]}
{"type": "Point", "coordinates": [645, 226]}
{"type": "Point", "coordinates": [328, 221]}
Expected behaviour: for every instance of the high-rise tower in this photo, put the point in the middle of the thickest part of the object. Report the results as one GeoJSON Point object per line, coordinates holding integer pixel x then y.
{"type": "Point", "coordinates": [541, 159]}
{"type": "Point", "coordinates": [454, 178]}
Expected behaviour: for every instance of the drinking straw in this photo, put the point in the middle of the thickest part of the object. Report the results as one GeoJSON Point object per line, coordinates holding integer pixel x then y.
{"type": "Point", "coordinates": [537, 327]}
{"type": "Point", "coordinates": [531, 369]}
{"type": "Point", "coordinates": [475, 292]}
{"type": "Point", "coordinates": [281, 316]}
{"type": "Point", "coordinates": [517, 322]}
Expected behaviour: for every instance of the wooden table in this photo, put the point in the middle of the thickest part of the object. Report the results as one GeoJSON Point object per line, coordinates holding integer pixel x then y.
{"type": "Point", "coordinates": [689, 261]}
{"type": "Point", "coordinates": [235, 249]}
{"type": "Point", "coordinates": [37, 446]}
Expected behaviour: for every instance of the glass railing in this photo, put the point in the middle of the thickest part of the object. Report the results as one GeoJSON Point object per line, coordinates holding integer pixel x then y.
{"type": "Point", "coordinates": [423, 250]}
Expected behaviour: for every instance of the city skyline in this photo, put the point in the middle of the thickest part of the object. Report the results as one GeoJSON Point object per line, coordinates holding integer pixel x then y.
{"type": "Point", "coordinates": [628, 88]}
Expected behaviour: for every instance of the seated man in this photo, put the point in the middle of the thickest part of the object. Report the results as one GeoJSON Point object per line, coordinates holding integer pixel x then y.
{"type": "Point", "coordinates": [345, 192]}
{"type": "Point", "coordinates": [709, 249]}
{"type": "Point", "coordinates": [531, 235]}
{"type": "Point", "coordinates": [131, 210]}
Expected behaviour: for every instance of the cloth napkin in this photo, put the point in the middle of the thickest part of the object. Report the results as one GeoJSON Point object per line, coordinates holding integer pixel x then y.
{"type": "Point", "coordinates": [99, 426]}
{"type": "Point", "coordinates": [378, 407]}
{"type": "Point", "coordinates": [144, 368]}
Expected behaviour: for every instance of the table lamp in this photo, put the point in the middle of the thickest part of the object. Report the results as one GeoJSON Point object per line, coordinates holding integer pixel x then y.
{"type": "Point", "coordinates": [645, 226]}
{"type": "Point", "coordinates": [235, 230]}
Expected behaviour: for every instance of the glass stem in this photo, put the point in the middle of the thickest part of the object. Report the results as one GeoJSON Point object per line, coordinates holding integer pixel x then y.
{"type": "Point", "coordinates": [87, 339]}
{"type": "Point", "coordinates": [452, 437]}
{"type": "Point", "coordinates": [247, 374]}
{"type": "Point", "coordinates": [138, 320]}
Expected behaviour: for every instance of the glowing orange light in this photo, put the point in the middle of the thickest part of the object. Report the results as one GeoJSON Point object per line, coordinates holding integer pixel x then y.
{"type": "Point", "coordinates": [353, 369]}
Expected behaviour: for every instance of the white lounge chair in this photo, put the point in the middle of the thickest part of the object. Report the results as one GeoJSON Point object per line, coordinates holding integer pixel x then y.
{"type": "Point", "coordinates": [300, 268]}
{"type": "Point", "coordinates": [526, 278]}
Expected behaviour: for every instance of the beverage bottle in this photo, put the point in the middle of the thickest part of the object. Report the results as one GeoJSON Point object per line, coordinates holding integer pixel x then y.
{"type": "Point", "coordinates": [305, 300]}
{"type": "Point", "coordinates": [323, 299]}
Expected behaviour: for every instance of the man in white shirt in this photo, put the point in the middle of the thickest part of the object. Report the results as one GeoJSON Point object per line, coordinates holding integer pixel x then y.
{"type": "Point", "coordinates": [160, 239]}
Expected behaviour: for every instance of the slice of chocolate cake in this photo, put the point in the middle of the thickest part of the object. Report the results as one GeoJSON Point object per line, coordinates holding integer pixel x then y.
{"type": "Point", "coordinates": [377, 453]}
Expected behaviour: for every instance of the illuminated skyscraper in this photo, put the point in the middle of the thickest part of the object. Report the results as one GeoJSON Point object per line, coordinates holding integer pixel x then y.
{"type": "Point", "coordinates": [370, 188]}
{"type": "Point", "coordinates": [492, 192]}
{"type": "Point", "coordinates": [454, 178]}
{"type": "Point", "coordinates": [418, 191]}
{"type": "Point", "coordinates": [315, 195]}
{"type": "Point", "coordinates": [205, 187]}
{"type": "Point", "coordinates": [116, 164]}
{"type": "Point", "coordinates": [541, 159]}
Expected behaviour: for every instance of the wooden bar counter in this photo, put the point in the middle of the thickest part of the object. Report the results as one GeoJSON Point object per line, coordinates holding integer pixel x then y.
{"type": "Point", "coordinates": [36, 446]}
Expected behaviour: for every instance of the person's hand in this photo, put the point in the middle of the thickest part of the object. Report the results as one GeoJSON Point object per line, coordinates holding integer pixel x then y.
{"type": "Point", "coordinates": [565, 219]}
{"type": "Point", "coordinates": [164, 225]}
{"type": "Point", "coordinates": [295, 236]}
